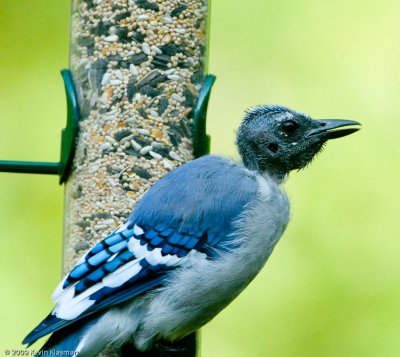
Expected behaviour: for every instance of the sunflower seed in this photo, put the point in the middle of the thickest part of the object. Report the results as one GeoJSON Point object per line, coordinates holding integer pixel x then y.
{"type": "Point", "coordinates": [106, 78]}
{"type": "Point", "coordinates": [111, 38]}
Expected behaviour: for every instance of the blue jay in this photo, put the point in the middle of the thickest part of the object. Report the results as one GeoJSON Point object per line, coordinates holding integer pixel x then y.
{"type": "Point", "coordinates": [195, 240]}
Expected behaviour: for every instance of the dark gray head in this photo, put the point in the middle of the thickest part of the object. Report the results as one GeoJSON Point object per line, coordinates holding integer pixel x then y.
{"type": "Point", "coordinates": [277, 140]}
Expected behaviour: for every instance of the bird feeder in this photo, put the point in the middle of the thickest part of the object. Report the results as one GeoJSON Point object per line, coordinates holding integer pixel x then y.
{"type": "Point", "coordinates": [137, 94]}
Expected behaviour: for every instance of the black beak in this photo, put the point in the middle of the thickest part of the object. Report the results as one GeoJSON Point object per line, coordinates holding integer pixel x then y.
{"type": "Point", "coordinates": [329, 128]}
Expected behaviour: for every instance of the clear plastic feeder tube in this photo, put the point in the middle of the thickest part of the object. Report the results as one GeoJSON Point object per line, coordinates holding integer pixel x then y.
{"type": "Point", "coordinates": [138, 67]}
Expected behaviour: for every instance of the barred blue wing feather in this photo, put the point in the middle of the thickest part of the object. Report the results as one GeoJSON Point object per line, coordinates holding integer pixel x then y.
{"type": "Point", "coordinates": [117, 269]}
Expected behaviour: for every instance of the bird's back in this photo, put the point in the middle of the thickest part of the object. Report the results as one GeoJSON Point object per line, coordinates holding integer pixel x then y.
{"type": "Point", "coordinates": [210, 286]}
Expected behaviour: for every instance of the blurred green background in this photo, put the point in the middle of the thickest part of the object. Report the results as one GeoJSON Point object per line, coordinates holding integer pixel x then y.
{"type": "Point", "coordinates": [332, 286]}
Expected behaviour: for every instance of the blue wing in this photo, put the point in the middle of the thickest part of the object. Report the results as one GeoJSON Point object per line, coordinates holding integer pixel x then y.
{"type": "Point", "coordinates": [181, 217]}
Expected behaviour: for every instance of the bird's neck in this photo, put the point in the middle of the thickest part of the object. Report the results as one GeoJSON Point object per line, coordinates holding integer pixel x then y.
{"type": "Point", "coordinates": [262, 165]}
{"type": "Point", "coordinates": [278, 177]}
{"type": "Point", "coordinates": [265, 170]}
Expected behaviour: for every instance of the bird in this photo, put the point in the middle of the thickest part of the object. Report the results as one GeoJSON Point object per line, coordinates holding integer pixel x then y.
{"type": "Point", "coordinates": [191, 245]}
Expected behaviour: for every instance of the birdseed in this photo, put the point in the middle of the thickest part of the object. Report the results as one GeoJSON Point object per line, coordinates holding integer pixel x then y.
{"type": "Point", "coordinates": [138, 67]}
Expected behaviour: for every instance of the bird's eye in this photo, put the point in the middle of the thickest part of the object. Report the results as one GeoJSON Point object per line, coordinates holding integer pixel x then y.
{"type": "Point", "coordinates": [289, 126]}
